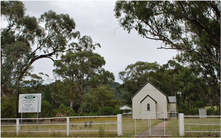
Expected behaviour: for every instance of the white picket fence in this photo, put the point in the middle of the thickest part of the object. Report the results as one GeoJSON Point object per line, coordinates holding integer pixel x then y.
{"type": "Point", "coordinates": [24, 125]}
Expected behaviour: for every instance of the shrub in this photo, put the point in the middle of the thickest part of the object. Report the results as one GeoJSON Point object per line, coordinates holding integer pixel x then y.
{"type": "Point", "coordinates": [67, 111]}
{"type": "Point", "coordinates": [81, 114]}
{"type": "Point", "coordinates": [199, 104]}
{"type": "Point", "coordinates": [47, 109]}
{"type": "Point", "coordinates": [107, 110]}
{"type": "Point", "coordinates": [101, 131]}
{"type": "Point", "coordinates": [117, 111]}
{"type": "Point", "coordinates": [211, 111]}
{"type": "Point", "coordinates": [8, 107]}
{"type": "Point", "coordinates": [193, 111]}
{"type": "Point", "coordinates": [183, 108]}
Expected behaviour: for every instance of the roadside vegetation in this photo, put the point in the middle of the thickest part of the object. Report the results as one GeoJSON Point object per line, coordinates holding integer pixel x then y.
{"type": "Point", "coordinates": [81, 86]}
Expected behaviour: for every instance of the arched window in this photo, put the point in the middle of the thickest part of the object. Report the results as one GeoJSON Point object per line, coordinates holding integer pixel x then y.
{"type": "Point", "coordinates": [148, 107]}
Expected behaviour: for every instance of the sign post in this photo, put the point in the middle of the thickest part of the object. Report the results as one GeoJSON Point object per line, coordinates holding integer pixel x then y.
{"type": "Point", "coordinates": [30, 103]}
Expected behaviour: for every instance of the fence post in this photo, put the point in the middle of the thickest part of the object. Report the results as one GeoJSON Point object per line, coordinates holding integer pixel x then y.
{"type": "Point", "coordinates": [164, 125]}
{"type": "Point", "coordinates": [135, 126]}
{"type": "Point", "coordinates": [17, 126]}
{"type": "Point", "coordinates": [119, 124]}
{"type": "Point", "coordinates": [149, 122]}
{"type": "Point", "coordinates": [181, 124]}
{"type": "Point", "coordinates": [68, 125]}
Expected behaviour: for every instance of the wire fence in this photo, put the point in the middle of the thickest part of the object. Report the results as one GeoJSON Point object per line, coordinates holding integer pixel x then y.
{"type": "Point", "coordinates": [148, 125]}
{"type": "Point", "coordinates": [209, 126]}
{"type": "Point", "coordinates": [109, 126]}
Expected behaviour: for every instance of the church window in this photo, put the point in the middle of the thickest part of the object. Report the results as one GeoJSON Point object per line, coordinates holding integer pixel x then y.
{"type": "Point", "coordinates": [148, 107]}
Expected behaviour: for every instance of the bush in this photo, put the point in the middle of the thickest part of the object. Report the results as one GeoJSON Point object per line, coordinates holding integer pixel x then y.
{"type": "Point", "coordinates": [199, 104]}
{"type": "Point", "coordinates": [183, 108]}
{"type": "Point", "coordinates": [193, 111]}
{"type": "Point", "coordinates": [81, 114]}
{"type": "Point", "coordinates": [46, 109]}
{"type": "Point", "coordinates": [8, 107]}
{"type": "Point", "coordinates": [67, 111]}
{"type": "Point", "coordinates": [211, 111]}
{"type": "Point", "coordinates": [107, 110]}
{"type": "Point", "coordinates": [117, 111]}
{"type": "Point", "coordinates": [99, 112]}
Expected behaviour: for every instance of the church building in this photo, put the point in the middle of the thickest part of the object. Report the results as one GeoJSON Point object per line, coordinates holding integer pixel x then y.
{"type": "Point", "coordinates": [151, 103]}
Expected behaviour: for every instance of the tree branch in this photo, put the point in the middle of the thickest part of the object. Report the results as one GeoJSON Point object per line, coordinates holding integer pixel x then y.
{"type": "Point", "coordinates": [193, 52]}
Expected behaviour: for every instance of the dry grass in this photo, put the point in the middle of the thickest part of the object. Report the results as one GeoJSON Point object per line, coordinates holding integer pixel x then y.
{"type": "Point", "coordinates": [130, 129]}
{"type": "Point", "coordinates": [195, 124]}
{"type": "Point", "coordinates": [107, 127]}
{"type": "Point", "coordinates": [172, 127]}
{"type": "Point", "coordinates": [101, 127]}
{"type": "Point", "coordinates": [210, 126]}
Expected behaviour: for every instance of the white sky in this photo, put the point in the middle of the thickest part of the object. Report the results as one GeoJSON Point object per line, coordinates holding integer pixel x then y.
{"type": "Point", "coordinates": [96, 19]}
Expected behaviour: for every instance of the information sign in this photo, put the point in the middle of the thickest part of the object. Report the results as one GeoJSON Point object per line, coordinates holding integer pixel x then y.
{"type": "Point", "coordinates": [29, 103]}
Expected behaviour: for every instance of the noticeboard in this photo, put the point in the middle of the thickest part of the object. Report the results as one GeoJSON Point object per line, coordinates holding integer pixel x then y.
{"type": "Point", "coordinates": [29, 103]}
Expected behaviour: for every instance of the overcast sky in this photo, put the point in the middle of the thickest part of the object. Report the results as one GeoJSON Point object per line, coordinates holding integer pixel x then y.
{"type": "Point", "coordinates": [96, 19]}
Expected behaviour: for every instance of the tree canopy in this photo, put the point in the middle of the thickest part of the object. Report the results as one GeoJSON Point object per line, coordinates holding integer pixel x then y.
{"type": "Point", "coordinates": [85, 87]}
{"type": "Point", "coordinates": [191, 27]}
{"type": "Point", "coordinates": [82, 69]}
{"type": "Point", "coordinates": [27, 39]}
{"type": "Point", "coordinates": [173, 79]}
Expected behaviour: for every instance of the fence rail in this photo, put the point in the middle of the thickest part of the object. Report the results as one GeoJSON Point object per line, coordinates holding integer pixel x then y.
{"type": "Point", "coordinates": [63, 124]}
{"type": "Point", "coordinates": [201, 126]}
{"type": "Point", "coordinates": [115, 125]}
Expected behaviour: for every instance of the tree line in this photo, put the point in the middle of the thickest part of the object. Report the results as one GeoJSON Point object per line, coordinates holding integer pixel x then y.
{"type": "Point", "coordinates": [174, 79]}
{"type": "Point", "coordinates": [83, 87]}
{"type": "Point", "coordinates": [190, 27]}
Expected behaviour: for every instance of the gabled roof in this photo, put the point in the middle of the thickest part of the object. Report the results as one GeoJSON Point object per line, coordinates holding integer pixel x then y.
{"type": "Point", "coordinates": [150, 98]}
{"type": "Point", "coordinates": [153, 86]}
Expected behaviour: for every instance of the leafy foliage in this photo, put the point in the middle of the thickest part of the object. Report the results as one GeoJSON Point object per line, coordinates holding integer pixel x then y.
{"type": "Point", "coordinates": [86, 88]}
{"type": "Point", "coordinates": [82, 69]}
{"type": "Point", "coordinates": [47, 109]}
{"type": "Point", "coordinates": [173, 79]}
{"type": "Point", "coordinates": [135, 76]}
{"type": "Point", "coordinates": [190, 27]}
{"type": "Point", "coordinates": [8, 107]}
{"type": "Point", "coordinates": [25, 37]}
{"type": "Point", "coordinates": [64, 110]}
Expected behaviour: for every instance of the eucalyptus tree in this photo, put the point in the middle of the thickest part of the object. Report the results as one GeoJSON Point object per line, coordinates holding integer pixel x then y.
{"type": "Point", "coordinates": [27, 39]}
{"type": "Point", "coordinates": [102, 96]}
{"type": "Point", "coordinates": [184, 82]}
{"type": "Point", "coordinates": [172, 78]}
{"type": "Point", "coordinates": [135, 76]}
{"type": "Point", "coordinates": [81, 68]}
{"type": "Point", "coordinates": [190, 27]}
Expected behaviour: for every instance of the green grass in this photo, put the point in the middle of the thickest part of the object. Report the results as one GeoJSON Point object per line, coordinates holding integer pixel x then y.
{"type": "Point", "coordinates": [100, 127]}
{"type": "Point", "coordinates": [195, 124]}
{"type": "Point", "coordinates": [141, 125]}
{"type": "Point", "coordinates": [204, 124]}
{"type": "Point", "coordinates": [172, 127]}
{"type": "Point", "coordinates": [77, 128]}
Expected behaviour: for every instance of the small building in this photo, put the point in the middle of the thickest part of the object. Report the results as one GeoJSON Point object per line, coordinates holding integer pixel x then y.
{"type": "Point", "coordinates": [151, 103]}
{"type": "Point", "coordinates": [126, 109]}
